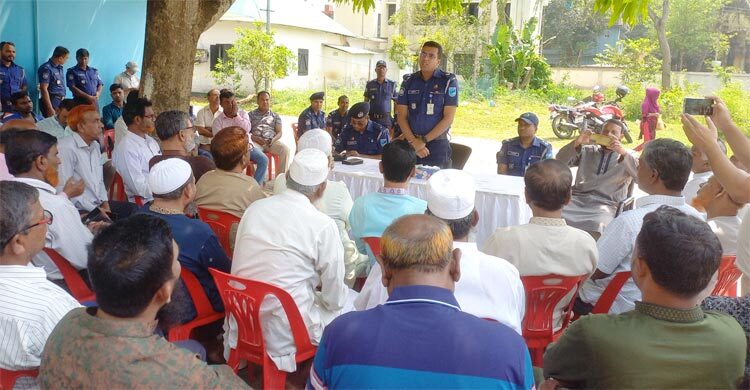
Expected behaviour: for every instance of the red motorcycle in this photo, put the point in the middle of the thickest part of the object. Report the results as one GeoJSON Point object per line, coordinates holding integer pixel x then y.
{"type": "Point", "coordinates": [567, 121]}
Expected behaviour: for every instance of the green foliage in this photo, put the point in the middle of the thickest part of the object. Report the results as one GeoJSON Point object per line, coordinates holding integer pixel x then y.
{"type": "Point", "coordinates": [441, 7]}
{"type": "Point", "coordinates": [636, 59]}
{"type": "Point", "coordinates": [514, 53]}
{"type": "Point", "coordinates": [226, 75]}
{"type": "Point", "coordinates": [399, 51]}
{"type": "Point", "coordinates": [631, 12]}
{"type": "Point", "coordinates": [737, 99]}
{"type": "Point", "coordinates": [692, 32]}
{"type": "Point", "coordinates": [570, 26]}
{"type": "Point", "coordinates": [671, 101]}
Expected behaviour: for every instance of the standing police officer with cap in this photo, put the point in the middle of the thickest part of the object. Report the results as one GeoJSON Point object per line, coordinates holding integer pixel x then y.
{"type": "Point", "coordinates": [12, 76]}
{"type": "Point", "coordinates": [381, 93]}
{"type": "Point", "coordinates": [83, 80]}
{"type": "Point", "coordinates": [362, 137]}
{"type": "Point", "coordinates": [518, 153]}
{"type": "Point", "coordinates": [52, 82]}
{"type": "Point", "coordinates": [426, 107]}
{"type": "Point", "coordinates": [312, 117]}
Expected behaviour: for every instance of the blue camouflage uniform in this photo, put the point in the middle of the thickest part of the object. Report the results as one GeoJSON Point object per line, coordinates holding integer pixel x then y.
{"type": "Point", "coordinates": [86, 80]}
{"type": "Point", "coordinates": [53, 76]}
{"type": "Point", "coordinates": [309, 120]}
{"type": "Point", "coordinates": [517, 158]}
{"type": "Point", "coordinates": [380, 97]}
{"type": "Point", "coordinates": [336, 122]}
{"type": "Point", "coordinates": [425, 101]}
{"type": "Point", "coordinates": [12, 80]}
{"type": "Point", "coordinates": [371, 141]}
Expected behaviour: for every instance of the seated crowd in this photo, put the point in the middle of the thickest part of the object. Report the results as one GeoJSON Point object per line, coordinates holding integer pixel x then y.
{"type": "Point", "coordinates": [392, 289]}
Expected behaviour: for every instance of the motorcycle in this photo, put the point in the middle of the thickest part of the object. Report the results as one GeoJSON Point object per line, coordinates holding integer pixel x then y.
{"type": "Point", "coordinates": [568, 120]}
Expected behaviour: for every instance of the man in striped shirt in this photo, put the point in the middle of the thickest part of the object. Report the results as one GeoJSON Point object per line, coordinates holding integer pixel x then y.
{"type": "Point", "coordinates": [30, 305]}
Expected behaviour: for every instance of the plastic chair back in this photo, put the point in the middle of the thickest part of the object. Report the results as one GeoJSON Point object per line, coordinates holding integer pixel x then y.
{"type": "Point", "coordinates": [8, 378]}
{"type": "Point", "coordinates": [221, 223]}
{"type": "Point", "coordinates": [205, 311]}
{"type": "Point", "coordinates": [543, 293]}
{"type": "Point", "coordinates": [374, 244]}
{"type": "Point", "coordinates": [459, 155]}
{"type": "Point", "coordinates": [78, 288]}
{"type": "Point", "coordinates": [609, 294]}
{"type": "Point", "coordinates": [117, 191]}
{"type": "Point", "coordinates": [108, 136]}
{"type": "Point", "coordinates": [728, 276]}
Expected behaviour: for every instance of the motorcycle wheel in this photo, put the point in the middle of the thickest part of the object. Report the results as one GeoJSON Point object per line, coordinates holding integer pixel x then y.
{"type": "Point", "coordinates": [559, 129]}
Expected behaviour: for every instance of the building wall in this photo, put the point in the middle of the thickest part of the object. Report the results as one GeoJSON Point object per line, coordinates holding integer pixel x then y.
{"type": "Point", "coordinates": [112, 31]}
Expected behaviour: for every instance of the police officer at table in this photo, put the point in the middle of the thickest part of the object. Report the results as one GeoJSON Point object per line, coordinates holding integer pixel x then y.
{"type": "Point", "coordinates": [312, 117]}
{"type": "Point", "coordinates": [84, 80]}
{"type": "Point", "coordinates": [427, 104]}
{"type": "Point", "coordinates": [52, 82]}
{"type": "Point", "coordinates": [381, 94]}
{"type": "Point", "coordinates": [362, 137]}
{"type": "Point", "coordinates": [12, 76]}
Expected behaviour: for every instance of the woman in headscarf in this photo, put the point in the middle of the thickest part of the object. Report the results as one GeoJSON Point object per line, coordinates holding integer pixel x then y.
{"type": "Point", "coordinates": [650, 114]}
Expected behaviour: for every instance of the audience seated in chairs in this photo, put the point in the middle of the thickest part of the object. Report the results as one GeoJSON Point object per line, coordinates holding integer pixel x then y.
{"type": "Point", "coordinates": [30, 305]}
{"type": "Point", "coordinates": [668, 341]}
{"type": "Point", "coordinates": [490, 287]}
{"type": "Point", "coordinates": [546, 245]}
{"type": "Point", "coordinates": [134, 271]}
{"type": "Point", "coordinates": [420, 337]}
{"type": "Point", "coordinates": [177, 136]}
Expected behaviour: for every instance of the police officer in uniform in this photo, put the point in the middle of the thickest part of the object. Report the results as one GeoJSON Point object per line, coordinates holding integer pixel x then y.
{"type": "Point", "coordinates": [518, 153]}
{"type": "Point", "coordinates": [52, 82]}
{"type": "Point", "coordinates": [381, 94]}
{"type": "Point", "coordinates": [337, 118]}
{"type": "Point", "coordinates": [12, 76]}
{"type": "Point", "coordinates": [427, 104]}
{"type": "Point", "coordinates": [362, 137]}
{"type": "Point", "coordinates": [84, 80]}
{"type": "Point", "coordinates": [312, 117]}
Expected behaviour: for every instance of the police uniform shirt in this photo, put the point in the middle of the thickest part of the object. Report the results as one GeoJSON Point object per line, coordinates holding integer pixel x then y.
{"type": "Point", "coordinates": [52, 75]}
{"type": "Point", "coordinates": [517, 158]}
{"type": "Point", "coordinates": [371, 141]}
{"type": "Point", "coordinates": [337, 122]}
{"type": "Point", "coordinates": [380, 96]}
{"type": "Point", "coordinates": [309, 120]}
{"type": "Point", "coordinates": [425, 100]}
{"type": "Point", "coordinates": [86, 80]}
{"type": "Point", "coordinates": [12, 80]}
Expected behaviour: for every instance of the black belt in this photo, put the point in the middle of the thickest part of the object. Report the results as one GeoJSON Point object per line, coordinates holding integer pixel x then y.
{"type": "Point", "coordinates": [381, 116]}
{"type": "Point", "coordinates": [56, 96]}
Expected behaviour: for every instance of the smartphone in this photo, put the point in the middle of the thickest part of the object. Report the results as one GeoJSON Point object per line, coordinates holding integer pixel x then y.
{"type": "Point", "coordinates": [698, 106]}
{"type": "Point", "coordinates": [352, 161]}
{"type": "Point", "coordinates": [601, 139]}
{"type": "Point", "coordinates": [96, 215]}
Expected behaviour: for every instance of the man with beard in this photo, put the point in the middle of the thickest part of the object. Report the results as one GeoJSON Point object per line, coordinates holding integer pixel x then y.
{"type": "Point", "coordinates": [12, 76]}
{"type": "Point", "coordinates": [32, 158]}
{"type": "Point", "coordinates": [177, 135]}
{"type": "Point", "coordinates": [134, 271]}
{"type": "Point", "coordinates": [22, 108]}
{"type": "Point", "coordinates": [362, 136]}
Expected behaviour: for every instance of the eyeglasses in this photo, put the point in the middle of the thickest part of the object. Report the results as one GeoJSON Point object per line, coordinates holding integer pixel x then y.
{"type": "Point", "coordinates": [46, 220]}
{"type": "Point", "coordinates": [428, 55]}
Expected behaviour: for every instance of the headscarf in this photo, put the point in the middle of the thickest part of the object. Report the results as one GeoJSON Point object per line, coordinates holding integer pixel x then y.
{"type": "Point", "coordinates": [650, 102]}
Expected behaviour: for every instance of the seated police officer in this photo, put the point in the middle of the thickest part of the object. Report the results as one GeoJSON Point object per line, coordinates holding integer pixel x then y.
{"type": "Point", "coordinates": [362, 137]}
{"type": "Point", "coordinates": [519, 152]}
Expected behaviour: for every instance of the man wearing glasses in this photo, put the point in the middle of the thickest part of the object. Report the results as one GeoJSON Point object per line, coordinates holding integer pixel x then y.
{"type": "Point", "coordinates": [177, 135]}
{"type": "Point", "coordinates": [426, 105]}
{"type": "Point", "coordinates": [30, 305]}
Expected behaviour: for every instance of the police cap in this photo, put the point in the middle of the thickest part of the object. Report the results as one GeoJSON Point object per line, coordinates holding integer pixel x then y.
{"type": "Point", "coordinates": [359, 110]}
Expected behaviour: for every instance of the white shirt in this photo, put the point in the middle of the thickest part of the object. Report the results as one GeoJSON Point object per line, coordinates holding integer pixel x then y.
{"type": "Point", "coordinates": [616, 249]}
{"type": "Point", "coordinates": [205, 118]}
{"type": "Point", "coordinates": [67, 234]}
{"type": "Point", "coordinates": [489, 287]}
{"type": "Point", "coordinates": [130, 158]}
{"type": "Point", "coordinates": [82, 161]}
{"type": "Point", "coordinates": [694, 184]}
{"type": "Point", "coordinates": [121, 129]}
{"type": "Point", "coordinates": [727, 229]}
{"type": "Point", "coordinates": [285, 241]}
{"type": "Point", "coordinates": [743, 247]}
{"type": "Point", "coordinates": [30, 307]}
{"type": "Point", "coordinates": [127, 80]}
{"type": "Point", "coordinates": [52, 127]}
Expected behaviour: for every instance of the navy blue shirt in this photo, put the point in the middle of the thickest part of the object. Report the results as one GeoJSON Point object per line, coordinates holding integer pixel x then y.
{"type": "Point", "coordinates": [418, 95]}
{"type": "Point", "coordinates": [12, 80]}
{"type": "Point", "coordinates": [420, 338]}
{"type": "Point", "coordinates": [199, 251]}
{"type": "Point", "coordinates": [86, 80]}
{"type": "Point", "coordinates": [370, 141]}
{"type": "Point", "coordinates": [53, 76]}
{"type": "Point", "coordinates": [309, 120]}
{"type": "Point", "coordinates": [517, 158]}
{"type": "Point", "coordinates": [380, 96]}
{"type": "Point", "coordinates": [17, 115]}
{"type": "Point", "coordinates": [337, 122]}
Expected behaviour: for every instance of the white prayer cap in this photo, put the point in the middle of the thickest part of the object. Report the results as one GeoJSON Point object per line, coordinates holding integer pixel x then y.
{"type": "Point", "coordinates": [316, 139]}
{"type": "Point", "coordinates": [451, 194]}
{"type": "Point", "coordinates": [168, 175]}
{"type": "Point", "coordinates": [309, 167]}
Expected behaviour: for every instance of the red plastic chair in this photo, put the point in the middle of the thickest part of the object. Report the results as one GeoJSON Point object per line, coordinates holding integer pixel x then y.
{"type": "Point", "coordinates": [242, 299]}
{"type": "Point", "coordinates": [543, 293]}
{"type": "Point", "coordinates": [221, 223]}
{"type": "Point", "coordinates": [205, 311]}
{"type": "Point", "coordinates": [8, 378]}
{"type": "Point", "coordinates": [609, 294]}
{"type": "Point", "coordinates": [374, 244]}
{"type": "Point", "coordinates": [117, 191]}
{"type": "Point", "coordinates": [78, 288]}
{"type": "Point", "coordinates": [273, 165]}
{"type": "Point", "coordinates": [728, 276]}
{"type": "Point", "coordinates": [108, 137]}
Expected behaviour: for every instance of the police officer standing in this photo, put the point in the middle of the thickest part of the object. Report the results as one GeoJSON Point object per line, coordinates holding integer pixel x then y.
{"type": "Point", "coordinates": [84, 80]}
{"type": "Point", "coordinates": [52, 82]}
{"type": "Point", "coordinates": [427, 103]}
{"type": "Point", "coordinates": [312, 117]}
{"type": "Point", "coordinates": [518, 153]}
{"type": "Point", "coordinates": [12, 76]}
{"type": "Point", "coordinates": [362, 137]}
{"type": "Point", "coordinates": [337, 118]}
{"type": "Point", "coordinates": [381, 94]}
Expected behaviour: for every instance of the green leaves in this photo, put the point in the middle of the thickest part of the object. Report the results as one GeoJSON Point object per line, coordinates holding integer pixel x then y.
{"type": "Point", "coordinates": [631, 12]}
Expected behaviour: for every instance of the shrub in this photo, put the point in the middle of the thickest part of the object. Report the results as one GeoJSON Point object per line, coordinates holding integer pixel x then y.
{"type": "Point", "coordinates": [737, 100]}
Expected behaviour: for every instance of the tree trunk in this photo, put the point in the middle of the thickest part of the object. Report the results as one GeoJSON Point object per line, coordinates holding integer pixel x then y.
{"type": "Point", "coordinates": [172, 31]}
{"type": "Point", "coordinates": [666, 55]}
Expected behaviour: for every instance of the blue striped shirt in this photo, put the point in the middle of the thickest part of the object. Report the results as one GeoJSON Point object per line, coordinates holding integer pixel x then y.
{"type": "Point", "coordinates": [420, 338]}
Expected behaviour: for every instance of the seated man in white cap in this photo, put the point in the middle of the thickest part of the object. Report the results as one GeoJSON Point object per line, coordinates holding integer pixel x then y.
{"type": "Point", "coordinates": [173, 185]}
{"type": "Point", "coordinates": [489, 287]}
{"type": "Point", "coordinates": [336, 203]}
{"type": "Point", "coordinates": [285, 241]}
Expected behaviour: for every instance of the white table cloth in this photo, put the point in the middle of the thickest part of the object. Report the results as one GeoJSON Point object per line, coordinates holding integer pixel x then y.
{"type": "Point", "coordinates": [500, 199]}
